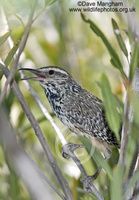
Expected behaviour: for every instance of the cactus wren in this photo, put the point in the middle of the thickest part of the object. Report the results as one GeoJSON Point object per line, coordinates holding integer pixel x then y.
{"type": "Point", "coordinates": [80, 111]}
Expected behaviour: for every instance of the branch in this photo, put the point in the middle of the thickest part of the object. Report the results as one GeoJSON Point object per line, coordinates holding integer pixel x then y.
{"type": "Point", "coordinates": [21, 161]}
{"type": "Point", "coordinates": [125, 134]}
{"type": "Point", "coordinates": [21, 48]}
{"type": "Point", "coordinates": [136, 188]}
{"type": "Point", "coordinates": [63, 183]}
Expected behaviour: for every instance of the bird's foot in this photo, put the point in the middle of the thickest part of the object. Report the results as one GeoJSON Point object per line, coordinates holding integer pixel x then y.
{"type": "Point", "coordinates": [87, 181]}
{"type": "Point", "coordinates": [69, 148]}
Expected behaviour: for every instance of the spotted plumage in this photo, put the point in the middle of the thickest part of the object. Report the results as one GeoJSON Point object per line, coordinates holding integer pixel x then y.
{"type": "Point", "coordinates": [80, 111]}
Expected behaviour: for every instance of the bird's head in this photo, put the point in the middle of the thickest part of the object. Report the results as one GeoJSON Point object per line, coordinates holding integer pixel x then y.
{"type": "Point", "coordinates": [48, 74]}
{"type": "Point", "coordinates": [50, 77]}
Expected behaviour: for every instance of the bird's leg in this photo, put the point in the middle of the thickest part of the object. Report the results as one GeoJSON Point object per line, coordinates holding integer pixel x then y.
{"type": "Point", "coordinates": [68, 151]}
{"type": "Point", "coordinates": [87, 181]}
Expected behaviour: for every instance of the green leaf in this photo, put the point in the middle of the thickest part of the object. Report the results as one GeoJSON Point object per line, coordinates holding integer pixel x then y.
{"type": "Point", "coordinates": [96, 155]}
{"type": "Point", "coordinates": [48, 3]}
{"type": "Point", "coordinates": [116, 183]}
{"type": "Point", "coordinates": [4, 37]}
{"type": "Point", "coordinates": [114, 56]}
{"type": "Point", "coordinates": [119, 37]}
{"type": "Point", "coordinates": [131, 148]}
{"type": "Point", "coordinates": [132, 182]}
{"type": "Point", "coordinates": [110, 106]}
{"type": "Point", "coordinates": [11, 54]}
{"type": "Point", "coordinates": [114, 62]}
{"type": "Point", "coordinates": [134, 99]}
{"type": "Point", "coordinates": [134, 61]}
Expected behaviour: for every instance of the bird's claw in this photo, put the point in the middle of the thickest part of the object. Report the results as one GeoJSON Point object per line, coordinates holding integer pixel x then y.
{"type": "Point", "coordinates": [65, 155]}
{"type": "Point", "coordinates": [87, 181]}
{"type": "Point", "coordinates": [69, 148]}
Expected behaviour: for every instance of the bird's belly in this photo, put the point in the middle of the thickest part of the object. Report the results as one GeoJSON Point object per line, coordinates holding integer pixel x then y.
{"type": "Point", "coordinates": [86, 126]}
{"type": "Point", "coordinates": [70, 125]}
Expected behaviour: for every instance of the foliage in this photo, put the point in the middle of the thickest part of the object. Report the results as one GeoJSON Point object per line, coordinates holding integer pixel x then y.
{"type": "Point", "coordinates": [58, 38]}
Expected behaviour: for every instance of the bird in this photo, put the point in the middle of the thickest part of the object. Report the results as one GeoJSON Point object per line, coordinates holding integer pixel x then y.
{"type": "Point", "coordinates": [82, 112]}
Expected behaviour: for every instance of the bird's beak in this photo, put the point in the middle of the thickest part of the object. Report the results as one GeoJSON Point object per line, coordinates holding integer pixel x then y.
{"type": "Point", "coordinates": [39, 75]}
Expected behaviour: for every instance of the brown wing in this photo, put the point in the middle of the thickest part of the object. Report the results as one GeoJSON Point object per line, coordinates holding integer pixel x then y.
{"type": "Point", "coordinates": [86, 115]}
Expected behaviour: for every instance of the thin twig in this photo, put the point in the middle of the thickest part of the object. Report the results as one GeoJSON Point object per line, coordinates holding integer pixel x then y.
{"type": "Point", "coordinates": [136, 188]}
{"type": "Point", "coordinates": [43, 9]}
{"type": "Point", "coordinates": [125, 134]}
{"type": "Point", "coordinates": [21, 48]}
{"type": "Point", "coordinates": [63, 183]}
{"type": "Point", "coordinates": [96, 193]}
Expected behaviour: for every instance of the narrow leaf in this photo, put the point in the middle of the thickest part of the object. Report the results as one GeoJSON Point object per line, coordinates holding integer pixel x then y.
{"type": "Point", "coordinates": [11, 54]}
{"type": "Point", "coordinates": [131, 148]}
{"type": "Point", "coordinates": [96, 155]}
{"type": "Point", "coordinates": [114, 56]}
{"type": "Point", "coordinates": [116, 183]}
{"type": "Point", "coordinates": [132, 182]}
{"type": "Point", "coordinates": [119, 37]}
{"type": "Point", "coordinates": [48, 3]}
{"type": "Point", "coordinates": [134, 99]}
{"type": "Point", "coordinates": [4, 37]}
{"type": "Point", "coordinates": [134, 61]}
{"type": "Point", "coordinates": [114, 62]}
{"type": "Point", "coordinates": [110, 106]}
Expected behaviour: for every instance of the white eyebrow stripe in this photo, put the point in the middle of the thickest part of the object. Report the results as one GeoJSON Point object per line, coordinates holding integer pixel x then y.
{"type": "Point", "coordinates": [60, 70]}
{"type": "Point", "coordinates": [56, 69]}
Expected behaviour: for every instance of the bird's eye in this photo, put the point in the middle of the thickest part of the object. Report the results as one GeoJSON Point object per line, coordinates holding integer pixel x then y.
{"type": "Point", "coordinates": [51, 72]}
